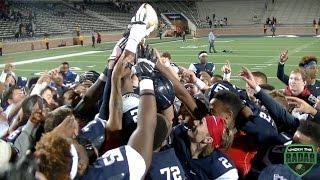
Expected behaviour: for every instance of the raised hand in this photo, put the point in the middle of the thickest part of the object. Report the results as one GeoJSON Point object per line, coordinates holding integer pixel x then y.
{"type": "Point", "coordinates": [283, 56]}
{"type": "Point", "coordinates": [36, 116]}
{"type": "Point", "coordinates": [143, 23]}
{"type": "Point", "coordinates": [226, 68]}
{"type": "Point", "coordinates": [120, 70]}
{"type": "Point", "coordinates": [68, 128]}
{"type": "Point", "coordinates": [247, 76]}
{"type": "Point", "coordinates": [301, 106]}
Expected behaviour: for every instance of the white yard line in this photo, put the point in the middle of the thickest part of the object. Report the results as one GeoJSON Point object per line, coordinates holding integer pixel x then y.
{"type": "Point", "coordinates": [51, 58]}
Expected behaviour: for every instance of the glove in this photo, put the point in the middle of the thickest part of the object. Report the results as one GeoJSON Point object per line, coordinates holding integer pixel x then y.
{"type": "Point", "coordinates": [139, 28]}
{"type": "Point", "coordinates": [144, 68]}
{"type": "Point", "coordinates": [118, 48]}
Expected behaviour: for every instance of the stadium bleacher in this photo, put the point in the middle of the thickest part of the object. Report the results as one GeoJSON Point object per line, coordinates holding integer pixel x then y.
{"type": "Point", "coordinates": [63, 18]}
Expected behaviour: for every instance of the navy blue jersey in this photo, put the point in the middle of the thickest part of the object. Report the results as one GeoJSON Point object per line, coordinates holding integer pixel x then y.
{"type": "Point", "coordinates": [14, 135]}
{"type": "Point", "coordinates": [197, 68]}
{"type": "Point", "coordinates": [94, 131]}
{"type": "Point", "coordinates": [130, 114]}
{"type": "Point", "coordinates": [277, 172]}
{"type": "Point", "coordinates": [165, 166]}
{"type": "Point", "coordinates": [69, 77]}
{"type": "Point", "coordinates": [315, 89]}
{"type": "Point", "coordinates": [225, 85]}
{"type": "Point", "coordinates": [216, 165]}
{"type": "Point", "coordinates": [120, 163]}
{"type": "Point", "coordinates": [261, 126]}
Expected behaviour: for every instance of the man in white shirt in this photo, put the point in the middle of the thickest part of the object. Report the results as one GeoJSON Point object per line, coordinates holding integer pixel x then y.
{"type": "Point", "coordinates": [211, 38]}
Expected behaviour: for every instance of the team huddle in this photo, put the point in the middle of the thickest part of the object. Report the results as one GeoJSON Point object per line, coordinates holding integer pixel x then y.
{"type": "Point", "coordinates": [145, 117]}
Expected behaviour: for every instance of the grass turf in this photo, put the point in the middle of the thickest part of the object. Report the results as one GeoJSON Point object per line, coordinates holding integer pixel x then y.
{"type": "Point", "coordinates": [256, 53]}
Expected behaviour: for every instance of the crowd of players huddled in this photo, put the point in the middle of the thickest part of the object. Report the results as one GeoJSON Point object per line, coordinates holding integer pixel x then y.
{"type": "Point", "coordinates": [146, 117]}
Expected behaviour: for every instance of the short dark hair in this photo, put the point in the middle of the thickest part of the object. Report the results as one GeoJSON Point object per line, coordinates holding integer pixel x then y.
{"type": "Point", "coordinates": [260, 75]}
{"type": "Point", "coordinates": [306, 59]}
{"type": "Point", "coordinates": [28, 103]}
{"type": "Point", "coordinates": [231, 101]}
{"type": "Point", "coordinates": [267, 87]}
{"type": "Point", "coordinates": [55, 117]}
{"type": "Point", "coordinates": [65, 63]}
{"type": "Point", "coordinates": [8, 93]}
{"type": "Point", "coordinates": [71, 97]}
{"type": "Point", "coordinates": [46, 88]}
{"type": "Point", "coordinates": [217, 76]}
{"type": "Point", "coordinates": [161, 131]}
{"type": "Point", "coordinates": [201, 52]}
{"type": "Point", "coordinates": [166, 55]}
{"type": "Point", "coordinates": [311, 129]}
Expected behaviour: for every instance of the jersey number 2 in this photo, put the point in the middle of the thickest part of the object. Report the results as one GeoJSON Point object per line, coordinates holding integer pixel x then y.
{"type": "Point", "coordinates": [134, 114]}
{"type": "Point", "coordinates": [174, 170]}
{"type": "Point", "coordinates": [225, 162]}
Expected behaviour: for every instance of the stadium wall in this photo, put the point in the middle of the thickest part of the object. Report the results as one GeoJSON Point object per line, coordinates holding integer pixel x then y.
{"type": "Point", "coordinates": [235, 31]}
{"type": "Point", "coordinates": [53, 43]}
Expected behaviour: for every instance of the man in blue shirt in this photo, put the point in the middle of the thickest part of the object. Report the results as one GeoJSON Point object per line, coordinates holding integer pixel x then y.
{"type": "Point", "coordinates": [69, 77]}
{"type": "Point", "coordinates": [203, 65]}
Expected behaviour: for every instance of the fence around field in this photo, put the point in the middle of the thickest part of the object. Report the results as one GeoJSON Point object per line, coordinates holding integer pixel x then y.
{"type": "Point", "coordinates": [10, 47]}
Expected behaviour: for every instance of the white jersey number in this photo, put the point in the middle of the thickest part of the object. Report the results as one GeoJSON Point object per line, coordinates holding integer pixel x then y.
{"type": "Point", "coordinates": [174, 170]}
{"type": "Point", "coordinates": [111, 156]}
{"type": "Point", "coordinates": [134, 114]}
{"type": "Point", "coordinates": [225, 162]}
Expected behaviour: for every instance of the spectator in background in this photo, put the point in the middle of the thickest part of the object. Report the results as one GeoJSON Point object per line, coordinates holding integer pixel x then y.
{"type": "Point", "coordinates": [314, 22]}
{"type": "Point", "coordinates": [69, 77]}
{"type": "Point", "coordinates": [210, 23]}
{"type": "Point", "coordinates": [316, 29]}
{"type": "Point", "coordinates": [264, 29]}
{"type": "Point", "coordinates": [160, 32]}
{"type": "Point", "coordinates": [46, 41]}
{"type": "Point", "coordinates": [184, 36]}
{"type": "Point", "coordinates": [211, 39]}
{"type": "Point", "coordinates": [273, 30]}
{"type": "Point", "coordinates": [78, 30]}
{"type": "Point", "coordinates": [98, 38]}
{"type": "Point", "coordinates": [93, 39]}
{"type": "Point", "coordinates": [81, 38]}
{"type": "Point", "coordinates": [1, 46]}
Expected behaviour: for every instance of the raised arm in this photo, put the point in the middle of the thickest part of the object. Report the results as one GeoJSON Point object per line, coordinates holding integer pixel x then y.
{"type": "Point", "coordinates": [114, 122]}
{"type": "Point", "coordinates": [280, 71]}
{"type": "Point", "coordinates": [180, 91]}
{"type": "Point", "coordinates": [277, 112]}
{"type": "Point", "coordinates": [142, 138]}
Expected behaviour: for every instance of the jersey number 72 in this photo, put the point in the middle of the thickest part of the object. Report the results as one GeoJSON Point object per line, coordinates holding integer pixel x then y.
{"type": "Point", "coordinates": [174, 170]}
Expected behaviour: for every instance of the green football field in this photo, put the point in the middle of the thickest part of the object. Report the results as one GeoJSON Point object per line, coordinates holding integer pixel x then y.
{"type": "Point", "coordinates": [256, 53]}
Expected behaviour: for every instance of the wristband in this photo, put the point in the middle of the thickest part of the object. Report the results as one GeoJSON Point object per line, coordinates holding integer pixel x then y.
{"type": "Point", "coordinates": [103, 77]}
{"type": "Point", "coordinates": [200, 84]}
{"type": "Point", "coordinates": [257, 89]}
{"type": "Point", "coordinates": [226, 76]}
{"type": "Point", "coordinates": [132, 45]}
{"type": "Point", "coordinates": [147, 93]}
{"type": "Point", "coordinates": [167, 64]}
{"type": "Point", "coordinates": [146, 84]}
